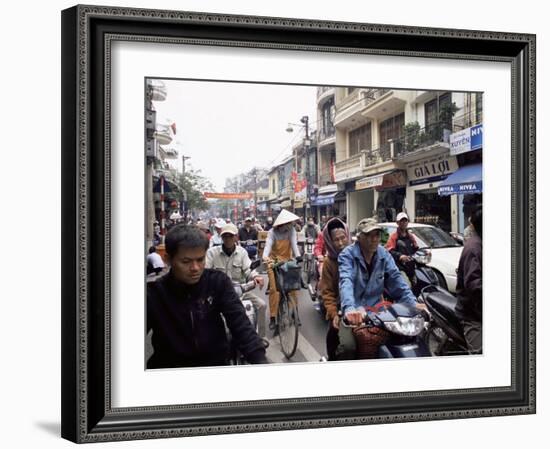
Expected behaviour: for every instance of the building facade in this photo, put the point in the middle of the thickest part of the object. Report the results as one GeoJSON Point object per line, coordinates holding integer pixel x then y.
{"type": "Point", "coordinates": [393, 153]}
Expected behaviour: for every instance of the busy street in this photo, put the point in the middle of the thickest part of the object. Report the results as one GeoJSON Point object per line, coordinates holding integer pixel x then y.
{"type": "Point", "coordinates": [355, 233]}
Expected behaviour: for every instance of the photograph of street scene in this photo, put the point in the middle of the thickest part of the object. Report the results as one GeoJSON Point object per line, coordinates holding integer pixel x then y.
{"type": "Point", "coordinates": [298, 223]}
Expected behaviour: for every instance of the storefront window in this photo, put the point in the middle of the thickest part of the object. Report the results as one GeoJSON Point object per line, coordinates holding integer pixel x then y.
{"type": "Point", "coordinates": [389, 204]}
{"type": "Point", "coordinates": [433, 209]}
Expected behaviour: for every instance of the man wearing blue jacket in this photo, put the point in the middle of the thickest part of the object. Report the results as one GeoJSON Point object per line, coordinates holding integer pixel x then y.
{"type": "Point", "coordinates": [366, 269]}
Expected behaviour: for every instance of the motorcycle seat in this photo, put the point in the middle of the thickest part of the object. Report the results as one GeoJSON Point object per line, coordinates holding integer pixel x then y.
{"type": "Point", "coordinates": [444, 303]}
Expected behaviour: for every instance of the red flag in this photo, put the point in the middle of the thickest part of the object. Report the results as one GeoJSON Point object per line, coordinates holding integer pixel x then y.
{"type": "Point", "coordinates": [173, 126]}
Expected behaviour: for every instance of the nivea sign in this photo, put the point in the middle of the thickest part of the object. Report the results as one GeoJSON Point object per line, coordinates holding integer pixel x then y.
{"type": "Point", "coordinates": [468, 139]}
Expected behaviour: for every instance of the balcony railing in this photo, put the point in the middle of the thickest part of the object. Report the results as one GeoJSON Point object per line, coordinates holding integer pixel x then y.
{"type": "Point", "coordinates": [349, 163]}
{"type": "Point", "coordinates": [415, 138]}
{"type": "Point", "coordinates": [372, 95]}
{"type": "Point", "coordinates": [358, 100]}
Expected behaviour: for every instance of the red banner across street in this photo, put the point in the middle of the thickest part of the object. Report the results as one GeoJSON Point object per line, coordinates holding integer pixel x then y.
{"type": "Point", "coordinates": [228, 196]}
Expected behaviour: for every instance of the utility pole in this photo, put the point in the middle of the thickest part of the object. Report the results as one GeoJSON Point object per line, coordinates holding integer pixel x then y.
{"type": "Point", "coordinates": [254, 172]}
{"type": "Point", "coordinates": [184, 211]}
{"type": "Point", "coordinates": [307, 143]}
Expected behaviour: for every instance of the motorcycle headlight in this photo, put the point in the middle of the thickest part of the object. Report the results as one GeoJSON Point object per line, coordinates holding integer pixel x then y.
{"type": "Point", "coordinates": [407, 326]}
{"type": "Point", "coordinates": [423, 257]}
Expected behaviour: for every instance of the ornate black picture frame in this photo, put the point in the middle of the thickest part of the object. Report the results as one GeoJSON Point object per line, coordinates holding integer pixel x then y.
{"type": "Point", "coordinates": [87, 413]}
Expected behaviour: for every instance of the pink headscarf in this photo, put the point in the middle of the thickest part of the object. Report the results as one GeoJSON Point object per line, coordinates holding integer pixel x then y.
{"type": "Point", "coordinates": [333, 223]}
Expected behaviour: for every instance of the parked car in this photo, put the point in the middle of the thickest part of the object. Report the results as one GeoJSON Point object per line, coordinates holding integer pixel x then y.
{"type": "Point", "coordinates": [444, 248]}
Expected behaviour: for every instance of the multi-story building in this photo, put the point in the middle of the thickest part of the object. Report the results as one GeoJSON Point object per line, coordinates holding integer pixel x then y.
{"type": "Point", "coordinates": [327, 200]}
{"type": "Point", "coordinates": [286, 188]}
{"type": "Point", "coordinates": [393, 153]}
{"type": "Point", "coordinates": [163, 188]}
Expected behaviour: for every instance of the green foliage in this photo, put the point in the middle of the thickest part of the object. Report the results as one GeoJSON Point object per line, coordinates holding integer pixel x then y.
{"type": "Point", "coordinates": [411, 136]}
{"type": "Point", "coordinates": [447, 112]}
{"type": "Point", "coordinates": [194, 185]}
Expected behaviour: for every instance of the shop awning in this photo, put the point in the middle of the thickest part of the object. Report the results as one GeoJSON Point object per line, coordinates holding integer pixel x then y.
{"type": "Point", "coordinates": [467, 179]}
{"type": "Point", "coordinates": [324, 200]}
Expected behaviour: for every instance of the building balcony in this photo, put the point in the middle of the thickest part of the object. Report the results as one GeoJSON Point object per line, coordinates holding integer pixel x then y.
{"type": "Point", "coordinates": [382, 103]}
{"type": "Point", "coordinates": [157, 90]}
{"type": "Point", "coordinates": [419, 141]}
{"type": "Point", "coordinates": [349, 107]}
{"type": "Point", "coordinates": [163, 134]}
{"type": "Point", "coordinates": [364, 104]}
{"type": "Point", "coordinates": [356, 165]}
{"type": "Point", "coordinates": [326, 138]}
{"type": "Point", "coordinates": [349, 168]}
{"type": "Point", "coordinates": [324, 93]}
{"type": "Point", "coordinates": [326, 177]}
{"type": "Point", "coordinates": [168, 152]}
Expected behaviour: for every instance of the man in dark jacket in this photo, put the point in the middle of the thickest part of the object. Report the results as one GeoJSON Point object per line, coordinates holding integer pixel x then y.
{"type": "Point", "coordinates": [187, 307]}
{"type": "Point", "coordinates": [402, 245]}
{"type": "Point", "coordinates": [248, 237]}
{"type": "Point", "coordinates": [469, 286]}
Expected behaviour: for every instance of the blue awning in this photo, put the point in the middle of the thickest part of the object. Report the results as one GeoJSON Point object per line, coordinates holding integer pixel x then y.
{"type": "Point", "coordinates": [467, 179]}
{"type": "Point", "coordinates": [324, 200]}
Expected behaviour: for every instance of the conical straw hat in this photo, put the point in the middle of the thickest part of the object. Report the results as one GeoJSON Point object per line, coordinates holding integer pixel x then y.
{"type": "Point", "coordinates": [285, 217]}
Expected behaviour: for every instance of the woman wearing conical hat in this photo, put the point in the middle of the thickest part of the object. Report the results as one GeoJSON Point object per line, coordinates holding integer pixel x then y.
{"type": "Point", "coordinates": [281, 244]}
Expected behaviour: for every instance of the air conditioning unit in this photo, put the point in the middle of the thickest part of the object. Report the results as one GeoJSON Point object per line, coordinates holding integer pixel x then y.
{"type": "Point", "coordinates": [151, 148]}
{"type": "Point", "coordinates": [150, 119]}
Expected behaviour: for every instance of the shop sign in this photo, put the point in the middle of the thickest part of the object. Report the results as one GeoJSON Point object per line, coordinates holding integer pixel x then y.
{"type": "Point", "coordinates": [286, 203]}
{"type": "Point", "coordinates": [369, 182]}
{"type": "Point", "coordinates": [431, 170]}
{"type": "Point", "coordinates": [468, 139]}
{"type": "Point", "coordinates": [298, 204]}
{"type": "Point", "coordinates": [393, 180]}
{"type": "Point", "coordinates": [301, 195]}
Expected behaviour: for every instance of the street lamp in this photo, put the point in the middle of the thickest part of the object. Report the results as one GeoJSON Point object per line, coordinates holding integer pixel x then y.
{"type": "Point", "coordinates": [183, 159]}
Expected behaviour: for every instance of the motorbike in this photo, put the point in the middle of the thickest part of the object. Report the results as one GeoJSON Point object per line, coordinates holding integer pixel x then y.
{"type": "Point", "coordinates": [311, 275]}
{"type": "Point", "coordinates": [444, 335]}
{"type": "Point", "coordinates": [251, 247]}
{"type": "Point", "coordinates": [403, 327]}
{"type": "Point", "coordinates": [423, 274]}
{"type": "Point", "coordinates": [236, 358]}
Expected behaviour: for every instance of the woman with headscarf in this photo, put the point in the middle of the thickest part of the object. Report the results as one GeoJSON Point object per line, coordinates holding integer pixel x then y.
{"type": "Point", "coordinates": [336, 237]}
{"type": "Point", "coordinates": [281, 245]}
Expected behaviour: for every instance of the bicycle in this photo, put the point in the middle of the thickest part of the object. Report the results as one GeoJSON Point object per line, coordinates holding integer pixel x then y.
{"type": "Point", "coordinates": [288, 279]}
{"type": "Point", "coordinates": [309, 272]}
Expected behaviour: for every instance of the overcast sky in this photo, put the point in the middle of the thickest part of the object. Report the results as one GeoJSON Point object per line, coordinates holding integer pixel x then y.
{"type": "Point", "coordinates": [228, 128]}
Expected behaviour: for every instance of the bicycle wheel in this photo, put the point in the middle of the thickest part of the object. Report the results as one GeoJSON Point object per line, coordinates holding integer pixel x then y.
{"type": "Point", "coordinates": [287, 320]}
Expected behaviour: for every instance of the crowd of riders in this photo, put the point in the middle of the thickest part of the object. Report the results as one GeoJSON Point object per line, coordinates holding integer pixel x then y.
{"type": "Point", "coordinates": [191, 303]}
